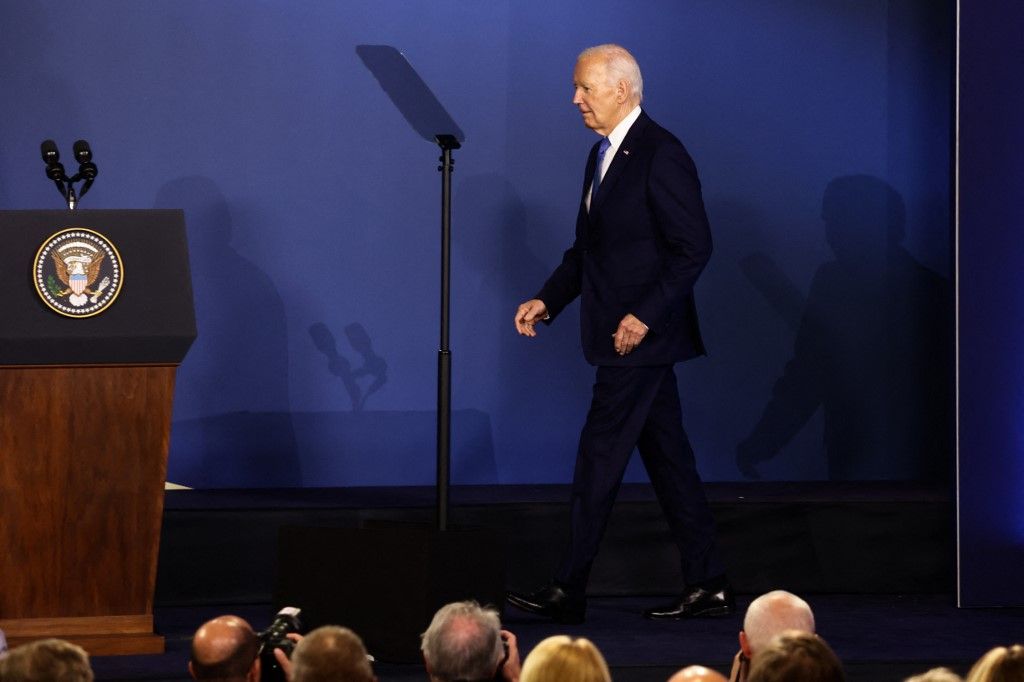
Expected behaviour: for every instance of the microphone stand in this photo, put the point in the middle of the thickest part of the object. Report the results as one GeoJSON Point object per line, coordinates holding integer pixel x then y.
{"type": "Point", "coordinates": [447, 143]}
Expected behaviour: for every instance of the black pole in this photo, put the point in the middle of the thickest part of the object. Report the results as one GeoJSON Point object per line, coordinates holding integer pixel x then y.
{"type": "Point", "coordinates": [444, 355]}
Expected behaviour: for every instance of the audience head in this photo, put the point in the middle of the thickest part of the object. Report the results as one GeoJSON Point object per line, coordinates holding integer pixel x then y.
{"type": "Point", "coordinates": [697, 673]}
{"type": "Point", "coordinates": [796, 656]}
{"type": "Point", "coordinates": [331, 654]}
{"type": "Point", "coordinates": [1001, 664]}
{"type": "Point", "coordinates": [463, 642]}
{"type": "Point", "coordinates": [562, 659]}
{"type": "Point", "coordinates": [772, 614]}
{"type": "Point", "coordinates": [936, 675]}
{"type": "Point", "coordinates": [225, 648]}
{"type": "Point", "coordinates": [53, 660]}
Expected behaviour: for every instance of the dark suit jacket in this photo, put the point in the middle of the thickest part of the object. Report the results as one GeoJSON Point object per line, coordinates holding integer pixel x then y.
{"type": "Point", "coordinates": [638, 250]}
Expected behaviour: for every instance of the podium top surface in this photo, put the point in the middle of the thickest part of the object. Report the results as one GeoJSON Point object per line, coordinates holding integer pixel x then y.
{"type": "Point", "coordinates": [150, 320]}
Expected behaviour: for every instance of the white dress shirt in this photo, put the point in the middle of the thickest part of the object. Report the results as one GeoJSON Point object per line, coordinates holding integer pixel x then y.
{"type": "Point", "coordinates": [615, 138]}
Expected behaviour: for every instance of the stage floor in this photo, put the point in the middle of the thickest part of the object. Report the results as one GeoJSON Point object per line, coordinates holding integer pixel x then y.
{"type": "Point", "coordinates": [878, 637]}
{"type": "Point", "coordinates": [874, 560]}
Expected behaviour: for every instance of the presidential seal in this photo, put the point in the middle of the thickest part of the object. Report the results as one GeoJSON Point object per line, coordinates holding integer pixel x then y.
{"type": "Point", "coordinates": [78, 272]}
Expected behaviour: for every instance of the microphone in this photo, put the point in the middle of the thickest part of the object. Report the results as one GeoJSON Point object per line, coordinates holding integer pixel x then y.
{"type": "Point", "coordinates": [54, 168]}
{"type": "Point", "coordinates": [50, 153]}
{"type": "Point", "coordinates": [86, 168]}
{"type": "Point", "coordinates": [83, 154]}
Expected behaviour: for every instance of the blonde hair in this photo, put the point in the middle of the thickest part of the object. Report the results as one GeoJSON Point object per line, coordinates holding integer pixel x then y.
{"type": "Point", "coordinates": [936, 675]}
{"type": "Point", "coordinates": [1002, 664]}
{"type": "Point", "coordinates": [563, 659]}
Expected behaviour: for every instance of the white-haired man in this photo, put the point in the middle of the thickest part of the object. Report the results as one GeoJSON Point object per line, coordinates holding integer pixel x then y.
{"type": "Point", "coordinates": [465, 642]}
{"type": "Point", "coordinates": [642, 239]}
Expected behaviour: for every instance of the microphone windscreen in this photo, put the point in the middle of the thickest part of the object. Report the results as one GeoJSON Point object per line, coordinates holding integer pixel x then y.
{"type": "Point", "coordinates": [82, 151]}
{"type": "Point", "coordinates": [49, 150]}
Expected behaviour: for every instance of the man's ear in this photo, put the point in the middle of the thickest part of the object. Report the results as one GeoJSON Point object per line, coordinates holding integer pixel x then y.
{"type": "Point", "coordinates": [191, 670]}
{"type": "Point", "coordinates": [426, 664]}
{"type": "Point", "coordinates": [745, 644]}
{"type": "Point", "coordinates": [254, 670]}
{"type": "Point", "coordinates": [621, 91]}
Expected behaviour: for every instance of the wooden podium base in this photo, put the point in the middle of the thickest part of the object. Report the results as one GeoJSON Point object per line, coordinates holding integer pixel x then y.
{"type": "Point", "coordinates": [99, 635]}
{"type": "Point", "coordinates": [83, 453]}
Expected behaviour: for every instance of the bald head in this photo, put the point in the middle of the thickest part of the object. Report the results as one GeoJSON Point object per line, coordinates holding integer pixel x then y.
{"type": "Point", "coordinates": [224, 649]}
{"type": "Point", "coordinates": [697, 673]}
{"type": "Point", "coordinates": [772, 614]}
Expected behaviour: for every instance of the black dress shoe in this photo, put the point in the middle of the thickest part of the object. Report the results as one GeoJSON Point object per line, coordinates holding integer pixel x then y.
{"type": "Point", "coordinates": [552, 602]}
{"type": "Point", "coordinates": [697, 602]}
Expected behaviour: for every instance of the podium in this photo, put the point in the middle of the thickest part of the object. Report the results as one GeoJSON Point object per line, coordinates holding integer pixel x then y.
{"type": "Point", "coordinates": [85, 415]}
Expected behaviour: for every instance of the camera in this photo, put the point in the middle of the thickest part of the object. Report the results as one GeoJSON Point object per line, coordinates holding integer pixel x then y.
{"type": "Point", "coordinates": [275, 637]}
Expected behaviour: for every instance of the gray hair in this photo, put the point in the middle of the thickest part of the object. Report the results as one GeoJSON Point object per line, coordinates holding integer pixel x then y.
{"type": "Point", "coordinates": [619, 65]}
{"type": "Point", "coordinates": [463, 642]}
{"type": "Point", "coordinates": [773, 613]}
{"type": "Point", "coordinates": [46, 659]}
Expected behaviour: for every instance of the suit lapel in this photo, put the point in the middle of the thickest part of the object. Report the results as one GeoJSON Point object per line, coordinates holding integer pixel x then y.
{"type": "Point", "coordinates": [623, 155]}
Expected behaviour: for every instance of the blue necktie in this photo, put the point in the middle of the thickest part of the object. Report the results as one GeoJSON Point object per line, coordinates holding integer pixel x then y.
{"type": "Point", "coordinates": [601, 149]}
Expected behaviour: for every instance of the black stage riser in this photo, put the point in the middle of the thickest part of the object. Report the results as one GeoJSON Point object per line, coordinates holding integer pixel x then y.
{"type": "Point", "coordinates": [823, 543]}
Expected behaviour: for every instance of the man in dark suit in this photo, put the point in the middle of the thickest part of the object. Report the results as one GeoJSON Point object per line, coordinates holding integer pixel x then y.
{"type": "Point", "coordinates": [642, 239]}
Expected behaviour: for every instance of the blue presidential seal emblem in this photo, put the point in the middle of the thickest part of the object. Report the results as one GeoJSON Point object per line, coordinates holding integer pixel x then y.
{"type": "Point", "coordinates": [78, 272]}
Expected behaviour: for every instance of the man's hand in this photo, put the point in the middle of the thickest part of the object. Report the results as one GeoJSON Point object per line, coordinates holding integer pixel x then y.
{"type": "Point", "coordinates": [740, 668]}
{"type": "Point", "coordinates": [528, 314]}
{"type": "Point", "coordinates": [630, 333]}
{"type": "Point", "coordinates": [282, 658]}
{"type": "Point", "coordinates": [513, 666]}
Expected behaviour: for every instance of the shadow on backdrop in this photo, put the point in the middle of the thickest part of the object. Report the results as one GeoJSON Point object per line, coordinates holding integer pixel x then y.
{"type": "Point", "coordinates": [374, 366]}
{"type": "Point", "coordinates": [872, 350]}
{"type": "Point", "coordinates": [516, 376]}
{"type": "Point", "coordinates": [239, 360]}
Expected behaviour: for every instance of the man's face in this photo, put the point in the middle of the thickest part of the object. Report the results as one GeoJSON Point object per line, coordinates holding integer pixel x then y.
{"type": "Point", "coordinates": [601, 104]}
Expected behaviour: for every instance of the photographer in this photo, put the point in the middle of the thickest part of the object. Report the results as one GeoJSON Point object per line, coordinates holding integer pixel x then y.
{"type": "Point", "coordinates": [327, 654]}
{"type": "Point", "coordinates": [225, 648]}
{"type": "Point", "coordinates": [769, 615]}
{"type": "Point", "coordinates": [465, 642]}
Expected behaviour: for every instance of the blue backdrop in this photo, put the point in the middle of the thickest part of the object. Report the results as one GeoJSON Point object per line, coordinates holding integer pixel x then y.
{"type": "Point", "coordinates": [312, 211]}
{"type": "Point", "coordinates": [990, 324]}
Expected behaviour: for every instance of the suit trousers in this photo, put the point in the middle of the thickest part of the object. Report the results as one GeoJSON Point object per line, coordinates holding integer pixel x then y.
{"type": "Point", "coordinates": [637, 407]}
